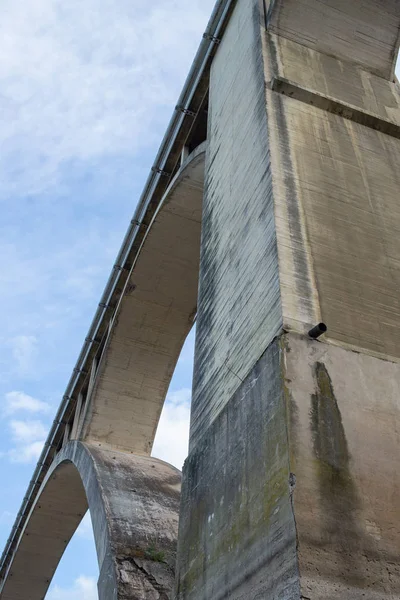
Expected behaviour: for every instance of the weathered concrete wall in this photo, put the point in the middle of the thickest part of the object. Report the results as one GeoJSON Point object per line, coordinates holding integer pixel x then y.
{"type": "Point", "coordinates": [237, 529]}
{"type": "Point", "coordinates": [348, 194]}
{"type": "Point", "coordinates": [344, 416]}
{"type": "Point", "coordinates": [237, 533]}
{"type": "Point", "coordinates": [335, 180]}
{"type": "Point", "coordinates": [338, 80]}
{"type": "Point", "coordinates": [239, 308]}
{"type": "Point", "coordinates": [134, 503]}
{"type": "Point", "coordinates": [293, 492]}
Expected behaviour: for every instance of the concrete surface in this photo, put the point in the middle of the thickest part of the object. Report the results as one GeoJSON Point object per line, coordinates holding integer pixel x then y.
{"type": "Point", "coordinates": [239, 300]}
{"type": "Point", "coordinates": [344, 424]}
{"type": "Point", "coordinates": [293, 492]}
{"type": "Point", "coordinates": [133, 502]}
{"type": "Point", "coordinates": [336, 80]}
{"type": "Point", "coordinates": [237, 534]}
{"type": "Point", "coordinates": [365, 32]}
{"type": "Point", "coordinates": [335, 191]}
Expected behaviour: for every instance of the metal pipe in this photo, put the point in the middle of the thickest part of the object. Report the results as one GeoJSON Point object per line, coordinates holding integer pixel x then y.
{"type": "Point", "coordinates": [317, 331]}
{"type": "Point", "coordinates": [213, 32]}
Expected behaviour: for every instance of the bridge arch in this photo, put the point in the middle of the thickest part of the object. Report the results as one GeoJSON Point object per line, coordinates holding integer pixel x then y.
{"type": "Point", "coordinates": [134, 507]}
{"type": "Point", "coordinates": [154, 316]}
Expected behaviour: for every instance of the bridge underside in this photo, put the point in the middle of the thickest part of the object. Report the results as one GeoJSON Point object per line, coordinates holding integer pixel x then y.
{"type": "Point", "coordinates": [153, 319]}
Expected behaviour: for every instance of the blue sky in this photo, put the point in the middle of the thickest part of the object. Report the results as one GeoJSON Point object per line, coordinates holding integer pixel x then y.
{"type": "Point", "coordinates": [87, 90]}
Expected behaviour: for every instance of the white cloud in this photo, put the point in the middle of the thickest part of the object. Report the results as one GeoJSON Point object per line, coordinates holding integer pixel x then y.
{"type": "Point", "coordinates": [24, 351]}
{"type": "Point", "coordinates": [84, 588]}
{"type": "Point", "coordinates": [172, 439]}
{"type": "Point", "coordinates": [7, 518]}
{"type": "Point", "coordinates": [80, 81]}
{"type": "Point", "coordinates": [19, 401]}
{"type": "Point", "coordinates": [27, 453]}
{"type": "Point", "coordinates": [28, 431]}
{"type": "Point", "coordinates": [27, 436]}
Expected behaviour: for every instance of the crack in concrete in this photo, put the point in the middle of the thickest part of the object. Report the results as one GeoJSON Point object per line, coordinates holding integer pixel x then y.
{"type": "Point", "coordinates": [163, 595]}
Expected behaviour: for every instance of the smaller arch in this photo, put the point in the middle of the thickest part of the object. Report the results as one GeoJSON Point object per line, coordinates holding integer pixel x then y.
{"type": "Point", "coordinates": [134, 506]}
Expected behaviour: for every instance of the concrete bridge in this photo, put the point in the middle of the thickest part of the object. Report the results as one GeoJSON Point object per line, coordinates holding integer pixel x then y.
{"type": "Point", "coordinates": [272, 206]}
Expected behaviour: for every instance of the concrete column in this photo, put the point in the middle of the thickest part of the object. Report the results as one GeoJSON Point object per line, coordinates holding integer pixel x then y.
{"type": "Point", "coordinates": [134, 505]}
{"type": "Point", "coordinates": [290, 489]}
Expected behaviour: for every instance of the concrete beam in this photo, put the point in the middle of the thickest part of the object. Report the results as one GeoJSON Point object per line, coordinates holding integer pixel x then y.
{"type": "Point", "coordinates": [133, 503]}
{"type": "Point", "coordinates": [364, 32]}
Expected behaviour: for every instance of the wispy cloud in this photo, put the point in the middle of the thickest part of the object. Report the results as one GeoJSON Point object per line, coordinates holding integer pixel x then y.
{"type": "Point", "coordinates": [27, 436]}
{"type": "Point", "coordinates": [19, 401]}
{"type": "Point", "coordinates": [6, 518]}
{"type": "Point", "coordinates": [27, 453]}
{"type": "Point", "coordinates": [80, 81]}
{"type": "Point", "coordinates": [24, 351]}
{"type": "Point", "coordinates": [28, 431]}
{"type": "Point", "coordinates": [84, 588]}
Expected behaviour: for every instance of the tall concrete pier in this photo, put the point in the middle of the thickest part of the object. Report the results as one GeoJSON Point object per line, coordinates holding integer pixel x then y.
{"type": "Point", "coordinates": [272, 207]}
{"type": "Point", "coordinates": [291, 487]}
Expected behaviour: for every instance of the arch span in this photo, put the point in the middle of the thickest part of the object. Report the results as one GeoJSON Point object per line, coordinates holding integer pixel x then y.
{"type": "Point", "coordinates": [154, 316]}
{"type": "Point", "coordinates": [134, 506]}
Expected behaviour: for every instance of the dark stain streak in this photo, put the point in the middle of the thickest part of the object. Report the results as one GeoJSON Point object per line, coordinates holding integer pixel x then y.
{"type": "Point", "coordinates": [303, 279]}
{"type": "Point", "coordinates": [340, 503]}
{"type": "Point", "coordinates": [243, 195]}
{"type": "Point", "coordinates": [330, 445]}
